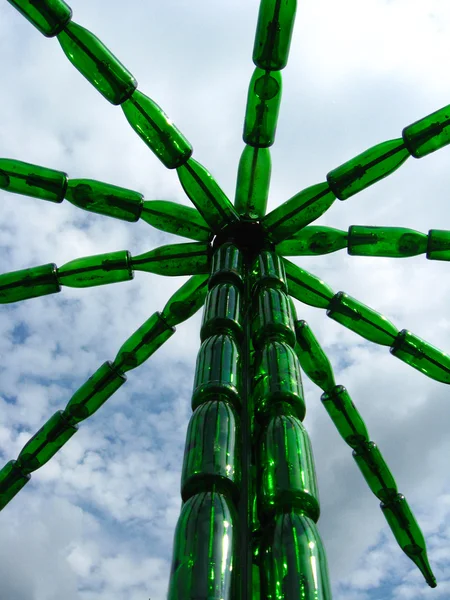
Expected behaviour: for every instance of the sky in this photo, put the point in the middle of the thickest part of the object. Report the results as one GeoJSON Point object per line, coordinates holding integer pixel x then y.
{"type": "Point", "coordinates": [97, 521]}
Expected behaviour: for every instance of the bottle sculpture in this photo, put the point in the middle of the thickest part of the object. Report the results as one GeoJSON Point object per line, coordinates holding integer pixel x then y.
{"type": "Point", "coordinates": [249, 523]}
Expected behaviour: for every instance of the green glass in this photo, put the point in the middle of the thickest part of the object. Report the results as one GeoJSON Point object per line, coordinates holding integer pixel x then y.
{"type": "Point", "coordinates": [428, 134]}
{"type": "Point", "coordinates": [206, 195]}
{"type": "Point", "coordinates": [294, 564]}
{"type": "Point", "coordinates": [313, 359]}
{"type": "Point", "coordinates": [31, 180]}
{"type": "Point", "coordinates": [157, 131]}
{"type": "Point", "coordinates": [272, 318]}
{"type": "Point", "coordinates": [211, 455]}
{"type": "Point", "coordinates": [44, 444]}
{"type": "Point", "coordinates": [312, 241]}
{"type": "Point", "coordinates": [176, 218]}
{"type": "Point", "coordinates": [375, 471]}
{"type": "Point", "coordinates": [217, 371]}
{"type": "Point", "coordinates": [205, 546]}
{"type": "Point", "coordinates": [12, 480]}
{"type": "Point", "coordinates": [105, 199]}
{"type": "Point", "coordinates": [408, 535]}
{"type": "Point", "coordinates": [422, 356]}
{"type": "Point", "coordinates": [307, 287]}
{"type": "Point", "coordinates": [273, 33]}
{"type": "Point", "coordinates": [385, 241]}
{"type": "Point", "coordinates": [288, 476]}
{"type": "Point", "coordinates": [48, 16]}
{"type": "Point", "coordinates": [263, 106]}
{"type": "Point", "coordinates": [97, 270]}
{"type": "Point", "coordinates": [96, 63]}
{"type": "Point", "coordinates": [29, 283]}
{"type": "Point", "coordinates": [294, 214]}
{"type": "Point", "coordinates": [345, 416]}
{"type": "Point", "coordinates": [174, 259]}
{"type": "Point", "coordinates": [222, 313]}
{"type": "Point", "coordinates": [186, 301]}
{"type": "Point", "coordinates": [278, 379]}
{"type": "Point", "coordinates": [438, 244]}
{"type": "Point", "coordinates": [361, 319]}
{"type": "Point", "coordinates": [253, 181]}
{"type": "Point", "coordinates": [227, 265]}
{"type": "Point", "coordinates": [267, 270]}
{"type": "Point", "coordinates": [93, 393]}
{"type": "Point", "coordinates": [143, 343]}
{"type": "Point", "coordinates": [367, 168]}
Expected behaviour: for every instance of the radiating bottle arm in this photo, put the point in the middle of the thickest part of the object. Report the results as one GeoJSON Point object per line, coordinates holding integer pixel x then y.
{"type": "Point", "coordinates": [102, 198]}
{"type": "Point", "coordinates": [101, 386]}
{"type": "Point", "coordinates": [109, 77]}
{"type": "Point", "coordinates": [418, 139]}
{"type": "Point", "coordinates": [368, 457]}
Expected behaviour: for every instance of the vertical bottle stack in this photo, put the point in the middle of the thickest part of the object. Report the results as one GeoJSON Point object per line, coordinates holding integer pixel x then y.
{"type": "Point", "coordinates": [291, 556]}
{"type": "Point", "coordinates": [204, 562]}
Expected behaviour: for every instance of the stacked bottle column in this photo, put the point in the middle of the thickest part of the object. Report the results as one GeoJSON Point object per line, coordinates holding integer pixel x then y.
{"type": "Point", "coordinates": [205, 561]}
{"type": "Point", "coordinates": [291, 556]}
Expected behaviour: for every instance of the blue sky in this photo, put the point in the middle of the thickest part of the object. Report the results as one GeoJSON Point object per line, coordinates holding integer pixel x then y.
{"type": "Point", "coordinates": [97, 522]}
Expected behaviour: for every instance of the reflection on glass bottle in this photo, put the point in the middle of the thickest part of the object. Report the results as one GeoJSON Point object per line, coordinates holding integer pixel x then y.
{"type": "Point", "coordinates": [204, 557]}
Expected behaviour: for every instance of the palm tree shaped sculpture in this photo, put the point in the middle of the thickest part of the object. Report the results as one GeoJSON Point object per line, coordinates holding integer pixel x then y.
{"type": "Point", "coordinates": [247, 526]}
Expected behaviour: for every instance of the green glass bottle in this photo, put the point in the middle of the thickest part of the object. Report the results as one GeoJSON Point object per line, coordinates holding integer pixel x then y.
{"type": "Point", "coordinates": [408, 535]}
{"type": "Point", "coordinates": [45, 443]}
{"type": "Point", "coordinates": [29, 283]}
{"type": "Point", "coordinates": [186, 301]}
{"type": "Point", "coordinates": [278, 379]}
{"type": "Point", "coordinates": [385, 241]}
{"type": "Point", "coordinates": [253, 181]}
{"type": "Point", "coordinates": [361, 319]}
{"type": "Point", "coordinates": [206, 195]}
{"type": "Point", "coordinates": [294, 563]}
{"type": "Point", "coordinates": [313, 359]}
{"type": "Point", "coordinates": [438, 244]}
{"type": "Point", "coordinates": [345, 416]}
{"type": "Point", "coordinates": [367, 168]}
{"type": "Point", "coordinates": [294, 214]}
{"type": "Point", "coordinates": [375, 471]}
{"type": "Point", "coordinates": [157, 131]}
{"type": "Point", "coordinates": [12, 480]}
{"type": "Point", "coordinates": [428, 134]}
{"type": "Point", "coordinates": [205, 543]}
{"type": "Point", "coordinates": [97, 270]}
{"type": "Point", "coordinates": [312, 241]}
{"type": "Point", "coordinates": [227, 265]}
{"type": "Point", "coordinates": [211, 455]}
{"type": "Point", "coordinates": [273, 33]}
{"type": "Point", "coordinates": [48, 16]}
{"type": "Point", "coordinates": [422, 356]}
{"type": "Point", "coordinates": [174, 259]}
{"type": "Point", "coordinates": [97, 64]}
{"type": "Point", "coordinates": [272, 318]}
{"type": "Point", "coordinates": [105, 199]}
{"type": "Point", "coordinates": [175, 218]}
{"type": "Point", "coordinates": [307, 287]}
{"type": "Point", "coordinates": [222, 313]}
{"type": "Point", "coordinates": [143, 343]}
{"type": "Point", "coordinates": [217, 371]}
{"type": "Point", "coordinates": [31, 180]}
{"type": "Point", "coordinates": [263, 105]}
{"type": "Point", "coordinates": [288, 476]}
{"type": "Point", "coordinates": [93, 393]}
{"type": "Point", "coordinates": [267, 270]}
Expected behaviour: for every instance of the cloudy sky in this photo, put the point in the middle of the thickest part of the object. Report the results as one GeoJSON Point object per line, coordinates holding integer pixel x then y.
{"type": "Point", "coordinates": [97, 522]}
